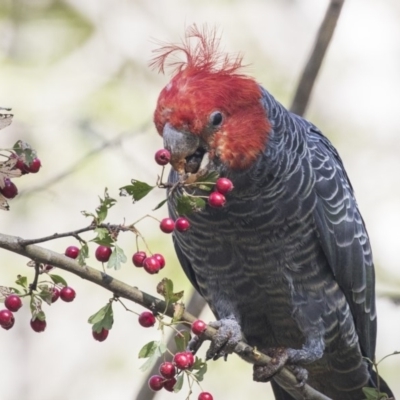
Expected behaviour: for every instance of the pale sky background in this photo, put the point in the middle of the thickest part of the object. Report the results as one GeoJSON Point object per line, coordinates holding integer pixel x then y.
{"type": "Point", "coordinates": [76, 75]}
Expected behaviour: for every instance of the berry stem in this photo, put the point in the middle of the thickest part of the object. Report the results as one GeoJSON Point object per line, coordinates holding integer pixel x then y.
{"type": "Point", "coordinates": [33, 285]}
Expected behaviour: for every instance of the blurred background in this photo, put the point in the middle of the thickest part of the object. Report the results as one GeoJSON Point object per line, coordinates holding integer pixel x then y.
{"type": "Point", "coordinates": [76, 75]}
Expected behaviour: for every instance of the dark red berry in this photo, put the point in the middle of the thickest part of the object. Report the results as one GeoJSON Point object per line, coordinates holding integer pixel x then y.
{"type": "Point", "coordinates": [167, 225]}
{"type": "Point", "coordinates": [216, 200]}
{"type": "Point", "coordinates": [35, 166]}
{"type": "Point", "coordinates": [167, 370]}
{"type": "Point", "coordinates": [103, 253]}
{"type": "Point", "coordinates": [147, 319]}
{"type": "Point", "coordinates": [169, 384]}
{"type": "Point", "coordinates": [9, 191]}
{"type": "Point", "coordinates": [9, 326]}
{"type": "Point", "coordinates": [100, 336]}
{"type": "Point", "coordinates": [55, 295]}
{"type": "Point", "coordinates": [67, 294]}
{"type": "Point", "coordinates": [6, 318]}
{"type": "Point", "coordinates": [151, 265]}
{"type": "Point", "coordinates": [181, 360]}
{"type": "Point", "coordinates": [156, 383]}
{"type": "Point", "coordinates": [190, 357]}
{"type": "Point", "coordinates": [205, 396]}
{"type": "Point", "coordinates": [198, 327]}
{"type": "Point", "coordinates": [182, 224]}
{"type": "Point", "coordinates": [37, 325]}
{"type": "Point", "coordinates": [72, 252]}
{"type": "Point", "coordinates": [224, 185]}
{"type": "Point", "coordinates": [21, 166]}
{"type": "Point", "coordinates": [162, 157]}
{"type": "Point", "coordinates": [47, 268]}
{"type": "Point", "coordinates": [160, 259]}
{"type": "Point", "coordinates": [138, 258]}
{"type": "Point", "coordinates": [13, 302]}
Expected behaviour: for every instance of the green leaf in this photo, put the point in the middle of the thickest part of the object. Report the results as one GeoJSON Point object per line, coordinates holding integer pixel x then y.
{"type": "Point", "coordinates": [179, 383]}
{"type": "Point", "coordinates": [159, 205]}
{"type": "Point", "coordinates": [166, 289]}
{"type": "Point", "coordinates": [211, 177]}
{"type": "Point", "coordinates": [371, 393]}
{"type": "Point", "coordinates": [40, 316]}
{"type": "Point", "coordinates": [24, 151]}
{"type": "Point", "coordinates": [22, 281]}
{"type": "Point", "coordinates": [182, 340]}
{"type": "Point", "coordinates": [117, 258]}
{"type": "Point", "coordinates": [58, 280]}
{"type": "Point", "coordinates": [104, 318]}
{"type": "Point", "coordinates": [46, 294]}
{"type": "Point", "coordinates": [105, 205]}
{"type": "Point", "coordinates": [103, 237]}
{"type": "Point", "coordinates": [83, 254]}
{"type": "Point", "coordinates": [187, 205]}
{"type": "Point", "coordinates": [148, 349]}
{"type": "Point", "coordinates": [148, 363]}
{"type": "Point", "coordinates": [206, 188]}
{"type": "Point", "coordinates": [200, 373]}
{"type": "Point", "coordinates": [137, 190]}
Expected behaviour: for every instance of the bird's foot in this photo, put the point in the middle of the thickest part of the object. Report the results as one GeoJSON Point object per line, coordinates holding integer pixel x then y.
{"type": "Point", "coordinates": [279, 358]}
{"type": "Point", "coordinates": [225, 340]}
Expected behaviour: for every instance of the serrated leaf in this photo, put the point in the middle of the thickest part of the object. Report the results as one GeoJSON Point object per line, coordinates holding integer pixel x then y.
{"type": "Point", "coordinates": [46, 295]}
{"type": "Point", "coordinates": [88, 214]}
{"type": "Point", "coordinates": [159, 205]}
{"type": "Point", "coordinates": [200, 373]}
{"type": "Point", "coordinates": [179, 309]}
{"type": "Point", "coordinates": [211, 177]}
{"type": "Point", "coordinates": [22, 281]}
{"type": "Point", "coordinates": [58, 280]}
{"type": "Point", "coordinates": [137, 190]}
{"type": "Point", "coordinates": [184, 206]}
{"type": "Point", "coordinates": [40, 316]}
{"type": "Point", "coordinates": [102, 319]}
{"type": "Point", "coordinates": [117, 258]}
{"type": "Point", "coordinates": [148, 349]}
{"type": "Point", "coordinates": [105, 205]}
{"type": "Point", "coordinates": [24, 151]}
{"type": "Point", "coordinates": [182, 340]}
{"type": "Point", "coordinates": [83, 254]}
{"type": "Point", "coordinates": [179, 383]}
{"type": "Point", "coordinates": [371, 393]}
{"type": "Point", "coordinates": [166, 289]}
{"type": "Point", "coordinates": [103, 237]}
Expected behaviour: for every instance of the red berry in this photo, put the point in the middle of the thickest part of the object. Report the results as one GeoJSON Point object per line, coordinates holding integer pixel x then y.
{"type": "Point", "coordinates": [72, 252]}
{"type": "Point", "coordinates": [6, 318]}
{"type": "Point", "coordinates": [103, 253]}
{"type": "Point", "coordinates": [138, 258]}
{"type": "Point", "coordinates": [100, 336]}
{"type": "Point", "coordinates": [55, 295]}
{"type": "Point", "coordinates": [67, 294]}
{"type": "Point", "coordinates": [156, 383]}
{"type": "Point", "coordinates": [190, 357]}
{"type": "Point", "coordinates": [151, 265]}
{"type": "Point", "coordinates": [216, 200]}
{"type": "Point", "coordinates": [224, 185]}
{"type": "Point", "coordinates": [35, 166]}
{"type": "Point", "coordinates": [160, 259]}
{"type": "Point", "coordinates": [147, 319]}
{"type": "Point", "coordinates": [37, 325]}
{"type": "Point", "coordinates": [9, 191]}
{"type": "Point", "coordinates": [167, 370]}
{"type": "Point", "coordinates": [167, 225]}
{"type": "Point", "coordinates": [162, 157]}
{"type": "Point", "coordinates": [21, 166]}
{"type": "Point", "coordinates": [182, 360]}
{"type": "Point", "coordinates": [47, 268]}
{"type": "Point", "coordinates": [13, 302]}
{"type": "Point", "coordinates": [205, 396]}
{"type": "Point", "coordinates": [169, 384]}
{"type": "Point", "coordinates": [182, 224]}
{"type": "Point", "coordinates": [198, 327]}
{"type": "Point", "coordinates": [9, 326]}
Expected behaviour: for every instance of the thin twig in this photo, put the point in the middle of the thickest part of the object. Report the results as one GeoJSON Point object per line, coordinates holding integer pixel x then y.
{"type": "Point", "coordinates": [324, 36]}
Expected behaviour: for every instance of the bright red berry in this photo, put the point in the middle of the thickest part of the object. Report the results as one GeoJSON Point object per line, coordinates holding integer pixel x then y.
{"type": "Point", "coordinates": [55, 295]}
{"type": "Point", "coordinates": [37, 325]}
{"type": "Point", "coordinates": [205, 396]}
{"type": "Point", "coordinates": [147, 319]}
{"type": "Point", "coordinates": [169, 384]}
{"type": "Point", "coordinates": [9, 191]}
{"type": "Point", "coordinates": [103, 253]}
{"type": "Point", "coordinates": [13, 302]}
{"type": "Point", "coordinates": [216, 200]}
{"type": "Point", "coordinates": [167, 225]}
{"type": "Point", "coordinates": [72, 252]}
{"type": "Point", "coordinates": [182, 360]}
{"type": "Point", "coordinates": [198, 327]}
{"type": "Point", "coordinates": [100, 336]}
{"type": "Point", "coordinates": [156, 383]}
{"type": "Point", "coordinates": [151, 265]}
{"type": "Point", "coordinates": [67, 294]}
{"type": "Point", "coordinates": [182, 224]}
{"type": "Point", "coordinates": [162, 157]}
{"type": "Point", "coordinates": [6, 318]}
{"type": "Point", "coordinates": [167, 370]}
{"type": "Point", "coordinates": [138, 258]}
{"type": "Point", "coordinates": [35, 166]}
{"type": "Point", "coordinates": [161, 260]}
{"type": "Point", "coordinates": [223, 185]}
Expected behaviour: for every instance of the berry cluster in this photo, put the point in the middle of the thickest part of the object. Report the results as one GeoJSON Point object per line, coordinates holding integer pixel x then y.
{"type": "Point", "coordinates": [151, 264]}
{"type": "Point", "coordinates": [168, 225]}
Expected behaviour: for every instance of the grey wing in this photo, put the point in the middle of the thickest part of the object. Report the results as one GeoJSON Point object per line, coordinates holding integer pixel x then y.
{"type": "Point", "coordinates": [344, 238]}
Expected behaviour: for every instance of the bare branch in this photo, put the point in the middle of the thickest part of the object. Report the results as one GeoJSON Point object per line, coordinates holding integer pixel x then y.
{"type": "Point", "coordinates": [313, 65]}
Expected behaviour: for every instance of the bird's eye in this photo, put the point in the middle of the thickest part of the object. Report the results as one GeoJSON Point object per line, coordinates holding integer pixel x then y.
{"type": "Point", "coordinates": [216, 118]}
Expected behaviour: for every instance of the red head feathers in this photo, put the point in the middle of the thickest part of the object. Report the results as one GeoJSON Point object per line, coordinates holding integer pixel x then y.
{"type": "Point", "coordinates": [207, 82]}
